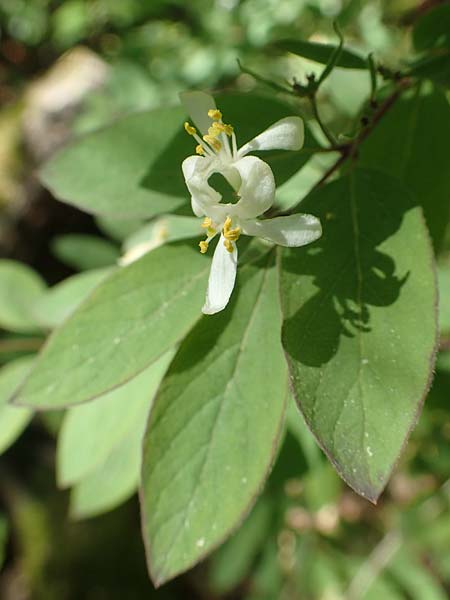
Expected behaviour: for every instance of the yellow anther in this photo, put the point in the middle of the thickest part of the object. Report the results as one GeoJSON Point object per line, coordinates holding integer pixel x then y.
{"type": "Point", "coordinates": [222, 128]}
{"type": "Point", "coordinates": [227, 224]}
{"type": "Point", "coordinates": [207, 222]}
{"type": "Point", "coordinates": [228, 245]}
{"type": "Point", "coordinates": [231, 235]}
{"type": "Point", "coordinates": [200, 150]}
{"type": "Point", "coordinates": [203, 246]}
{"type": "Point", "coordinates": [189, 129]}
{"type": "Point", "coordinates": [213, 142]}
{"type": "Point", "coordinates": [215, 114]}
{"type": "Point", "coordinates": [214, 131]}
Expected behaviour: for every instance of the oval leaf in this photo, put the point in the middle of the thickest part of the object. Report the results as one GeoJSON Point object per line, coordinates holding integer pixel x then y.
{"type": "Point", "coordinates": [411, 143]}
{"type": "Point", "coordinates": [322, 53]}
{"type": "Point", "coordinates": [133, 168]}
{"type": "Point", "coordinates": [214, 428]}
{"type": "Point", "coordinates": [91, 432]}
{"type": "Point", "coordinates": [360, 324]}
{"type": "Point", "coordinates": [53, 307]}
{"type": "Point", "coordinates": [129, 321]}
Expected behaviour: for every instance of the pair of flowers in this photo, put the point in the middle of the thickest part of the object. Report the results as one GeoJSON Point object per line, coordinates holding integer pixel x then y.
{"type": "Point", "coordinates": [253, 183]}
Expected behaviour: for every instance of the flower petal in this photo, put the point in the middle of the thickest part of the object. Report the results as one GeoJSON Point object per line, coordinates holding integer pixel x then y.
{"type": "Point", "coordinates": [221, 278]}
{"type": "Point", "coordinates": [257, 191]}
{"type": "Point", "coordinates": [285, 134]}
{"type": "Point", "coordinates": [197, 105]}
{"type": "Point", "coordinates": [294, 230]}
{"type": "Point", "coordinates": [196, 170]}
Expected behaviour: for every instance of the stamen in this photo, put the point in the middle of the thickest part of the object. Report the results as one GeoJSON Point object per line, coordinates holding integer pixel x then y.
{"type": "Point", "coordinates": [200, 150]}
{"type": "Point", "coordinates": [213, 142]}
{"type": "Point", "coordinates": [222, 128]}
{"type": "Point", "coordinates": [230, 235]}
{"type": "Point", "coordinates": [228, 245]}
{"type": "Point", "coordinates": [207, 222]}
{"type": "Point", "coordinates": [214, 131]}
{"type": "Point", "coordinates": [203, 247]}
{"type": "Point", "coordinates": [234, 144]}
{"type": "Point", "coordinates": [189, 129]}
{"type": "Point", "coordinates": [215, 114]}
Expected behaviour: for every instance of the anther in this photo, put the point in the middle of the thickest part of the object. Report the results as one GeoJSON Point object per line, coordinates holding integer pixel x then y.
{"type": "Point", "coordinates": [228, 245]}
{"type": "Point", "coordinates": [203, 246]}
{"type": "Point", "coordinates": [213, 142]}
{"type": "Point", "coordinates": [207, 222]}
{"type": "Point", "coordinates": [189, 129]}
{"type": "Point", "coordinates": [200, 150]}
{"type": "Point", "coordinates": [215, 114]}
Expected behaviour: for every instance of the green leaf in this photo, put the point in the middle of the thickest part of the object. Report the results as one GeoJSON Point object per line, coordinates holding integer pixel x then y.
{"type": "Point", "coordinates": [434, 67]}
{"type": "Point", "coordinates": [83, 252]}
{"type": "Point", "coordinates": [115, 161]}
{"type": "Point", "coordinates": [90, 433]}
{"type": "Point", "coordinates": [322, 53]}
{"type": "Point", "coordinates": [129, 321]}
{"type": "Point", "coordinates": [13, 419]}
{"type": "Point", "coordinates": [214, 428]}
{"type": "Point", "coordinates": [411, 143]}
{"type": "Point", "coordinates": [19, 288]}
{"type": "Point", "coordinates": [111, 483]}
{"type": "Point", "coordinates": [360, 324]}
{"type": "Point", "coordinates": [133, 168]}
{"type": "Point", "coordinates": [432, 29]}
{"type": "Point", "coordinates": [57, 303]}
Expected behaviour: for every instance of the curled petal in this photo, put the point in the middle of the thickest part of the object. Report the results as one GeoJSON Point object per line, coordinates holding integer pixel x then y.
{"type": "Point", "coordinates": [257, 191]}
{"type": "Point", "coordinates": [285, 134]}
{"type": "Point", "coordinates": [197, 105]}
{"type": "Point", "coordinates": [294, 230]}
{"type": "Point", "coordinates": [221, 278]}
{"type": "Point", "coordinates": [196, 171]}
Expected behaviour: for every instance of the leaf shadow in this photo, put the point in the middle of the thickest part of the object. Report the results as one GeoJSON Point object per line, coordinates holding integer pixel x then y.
{"type": "Point", "coordinates": [350, 275]}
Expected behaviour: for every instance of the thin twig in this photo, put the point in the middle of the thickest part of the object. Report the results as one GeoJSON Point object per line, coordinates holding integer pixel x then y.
{"type": "Point", "coordinates": [378, 560]}
{"type": "Point", "coordinates": [349, 150]}
{"type": "Point", "coordinates": [318, 118]}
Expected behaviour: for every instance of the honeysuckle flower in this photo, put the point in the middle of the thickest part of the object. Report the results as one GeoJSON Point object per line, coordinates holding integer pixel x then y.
{"type": "Point", "coordinates": [254, 189]}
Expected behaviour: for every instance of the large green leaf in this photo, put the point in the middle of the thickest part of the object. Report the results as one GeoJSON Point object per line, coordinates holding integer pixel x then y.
{"type": "Point", "coordinates": [214, 427]}
{"type": "Point", "coordinates": [322, 53]}
{"type": "Point", "coordinates": [435, 67]}
{"type": "Point", "coordinates": [433, 28]}
{"type": "Point", "coordinates": [90, 433]}
{"type": "Point", "coordinates": [20, 286]}
{"type": "Point", "coordinates": [133, 168]}
{"type": "Point", "coordinates": [13, 419]}
{"type": "Point", "coordinates": [360, 324]}
{"type": "Point", "coordinates": [411, 143]}
{"type": "Point", "coordinates": [128, 322]}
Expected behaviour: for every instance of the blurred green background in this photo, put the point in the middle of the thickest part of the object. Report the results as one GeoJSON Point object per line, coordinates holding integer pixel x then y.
{"type": "Point", "coordinates": [68, 67]}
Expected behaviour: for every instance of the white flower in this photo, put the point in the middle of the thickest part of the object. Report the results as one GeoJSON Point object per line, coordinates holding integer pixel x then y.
{"type": "Point", "coordinates": [254, 189]}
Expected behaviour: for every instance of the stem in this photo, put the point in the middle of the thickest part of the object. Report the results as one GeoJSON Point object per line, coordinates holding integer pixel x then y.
{"type": "Point", "coordinates": [350, 150]}
{"type": "Point", "coordinates": [322, 125]}
{"type": "Point", "coordinates": [375, 564]}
